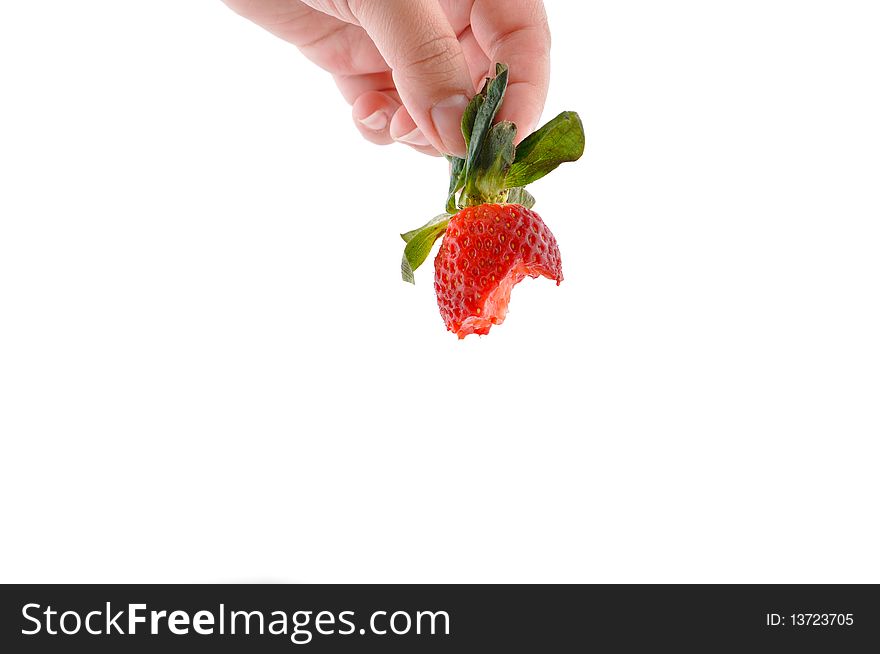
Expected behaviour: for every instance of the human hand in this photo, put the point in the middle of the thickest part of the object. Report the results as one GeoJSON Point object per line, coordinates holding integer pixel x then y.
{"type": "Point", "coordinates": [409, 67]}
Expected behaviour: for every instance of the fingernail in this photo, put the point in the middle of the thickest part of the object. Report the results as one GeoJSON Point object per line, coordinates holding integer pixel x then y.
{"type": "Point", "coordinates": [415, 137]}
{"type": "Point", "coordinates": [446, 115]}
{"type": "Point", "coordinates": [376, 121]}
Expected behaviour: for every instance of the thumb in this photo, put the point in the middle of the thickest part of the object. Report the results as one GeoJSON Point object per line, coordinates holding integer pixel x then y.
{"type": "Point", "coordinates": [427, 64]}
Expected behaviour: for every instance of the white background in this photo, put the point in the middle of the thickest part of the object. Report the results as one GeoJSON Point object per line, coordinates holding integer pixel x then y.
{"type": "Point", "coordinates": [211, 371]}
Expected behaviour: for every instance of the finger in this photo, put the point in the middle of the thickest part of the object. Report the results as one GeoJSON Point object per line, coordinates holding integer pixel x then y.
{"type": "Point", "coordinates": [353, 86]}
{"type": "Point", "coordinates": [335, 45]}
{"type": "Point", "coordinates": [374, 103]}
{"type": "Point", "coordinates": [478, 62]}
{"type": "Point", "coordinates": [431, 151]}
{"type": "Point", "coordinates": [427, 63]}
{"type": "Point", "coordinates": [458, 13]}
{"type": "Point", "coordinates": [515, 32]}
{"type": "Point", "coordinates": [404, 129]}
{"type": "Point", "coordinates": [372, 112]}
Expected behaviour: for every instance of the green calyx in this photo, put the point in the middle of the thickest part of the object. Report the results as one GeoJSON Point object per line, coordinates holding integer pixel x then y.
{"type": "Point", "coordinates": [494, 169]}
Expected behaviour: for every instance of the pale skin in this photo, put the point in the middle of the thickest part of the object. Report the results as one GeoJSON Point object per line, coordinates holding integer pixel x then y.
{"type": "Point", "coordinates": [408, 67]}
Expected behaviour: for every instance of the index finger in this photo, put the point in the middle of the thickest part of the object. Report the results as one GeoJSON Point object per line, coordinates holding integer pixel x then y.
{"type": "Point", "coordinates": [515, 32]}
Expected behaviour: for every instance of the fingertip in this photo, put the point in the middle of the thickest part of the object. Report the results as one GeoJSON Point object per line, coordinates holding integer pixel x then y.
{"type": "Point", "coordinates": [372, 112]}
{"type": "Point", "coordinates": [446, 116]}
{"type": "Point", "coordinates": [429, 150]}
{"type": "Point", "coordinates": [403, 129]}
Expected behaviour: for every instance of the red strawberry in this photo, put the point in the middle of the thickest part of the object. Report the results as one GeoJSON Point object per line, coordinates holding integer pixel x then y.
{"type": "Point", "coordinates": [486, 251]}
{"type": "Point", "coordinates": [493, 240]}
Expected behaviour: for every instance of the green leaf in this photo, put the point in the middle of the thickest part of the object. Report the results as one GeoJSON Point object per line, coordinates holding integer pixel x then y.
{"type": "Point", "coordinates": [418, 245]}
{"type": "Point", "coordinates": [560, 140]}
{"type": "Point", "coordinates": [470, 114]}
{"type": "Point", "coordinates": [456, 182]}
{"type": "Point", "coordinates": [484, 116]}
{"type": "Point", "coordinates": [408, 236]}
{"type": "Point", "coordinates": [521, 196]}
{"type": "Point", "coordinates": [495, 160]}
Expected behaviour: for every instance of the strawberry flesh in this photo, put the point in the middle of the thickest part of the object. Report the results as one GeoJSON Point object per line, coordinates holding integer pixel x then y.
{"type": "Point", "coordinates": [486, 251]}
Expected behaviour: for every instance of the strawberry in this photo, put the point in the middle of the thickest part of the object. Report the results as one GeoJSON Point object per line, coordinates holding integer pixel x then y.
{"type": "Point", "coordinates": [488, 249]}
{"type": "Point", "coordinates": [493, 239]}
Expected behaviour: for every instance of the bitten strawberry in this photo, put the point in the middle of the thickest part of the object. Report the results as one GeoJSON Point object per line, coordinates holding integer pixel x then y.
{"type": "Point", "coordinates": [493, 240]}
{"type": "Point", "coordinates": [487, 250]}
